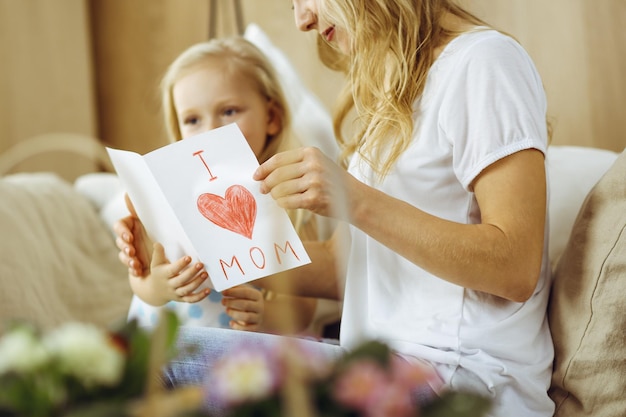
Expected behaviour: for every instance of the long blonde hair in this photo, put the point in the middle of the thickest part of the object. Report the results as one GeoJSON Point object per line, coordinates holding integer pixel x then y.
{"type": "Point", "coordinates": [239, 55]}
{"type": "Point", "coordinates": [393, 45]}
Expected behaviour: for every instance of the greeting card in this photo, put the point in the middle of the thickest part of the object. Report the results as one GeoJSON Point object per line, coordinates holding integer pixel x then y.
{"type": "Point", "coordinates": [197, 198]}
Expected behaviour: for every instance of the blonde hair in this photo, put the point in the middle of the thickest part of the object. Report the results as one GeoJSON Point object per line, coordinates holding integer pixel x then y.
{"type": "Point", "coordinates": [240, 56]}
{"type": "Point", "coordinates": [397, 38]}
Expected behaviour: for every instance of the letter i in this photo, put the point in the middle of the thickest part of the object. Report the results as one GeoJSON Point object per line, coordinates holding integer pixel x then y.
{"type": "Point", "coordinates": [211, 176]}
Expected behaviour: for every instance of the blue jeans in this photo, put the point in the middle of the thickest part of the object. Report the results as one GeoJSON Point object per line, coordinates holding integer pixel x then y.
{"type": "Point", "coordinates": [200, 347]}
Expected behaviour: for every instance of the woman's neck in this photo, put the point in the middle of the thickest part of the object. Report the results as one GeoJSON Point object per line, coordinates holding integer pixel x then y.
{"type": "Point", "coordinates": [454, 25]}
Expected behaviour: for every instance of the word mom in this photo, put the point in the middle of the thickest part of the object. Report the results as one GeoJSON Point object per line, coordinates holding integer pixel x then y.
{"type": "Point", "coordinates": [256, 258]}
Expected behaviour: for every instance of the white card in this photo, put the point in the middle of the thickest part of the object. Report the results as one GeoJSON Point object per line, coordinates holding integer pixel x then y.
{"type": "Point", "coordinates": [197, 198]}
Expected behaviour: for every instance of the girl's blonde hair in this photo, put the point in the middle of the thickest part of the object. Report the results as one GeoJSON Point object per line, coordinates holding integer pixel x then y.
{"type": "Point", "coordinates": [392, 44]}
{"type": "Point", "coordinates": [239, 56]}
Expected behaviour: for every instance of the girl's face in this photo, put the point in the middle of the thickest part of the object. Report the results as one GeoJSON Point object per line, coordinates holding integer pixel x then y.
{"type": "Point", "coordinates": [209, 96]}
{"type": "Point", "coordinates": [306, 14]}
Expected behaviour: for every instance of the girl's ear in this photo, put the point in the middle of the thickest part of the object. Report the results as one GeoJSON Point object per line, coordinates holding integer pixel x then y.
{"type": "Point", "coordinates": [274, 119]}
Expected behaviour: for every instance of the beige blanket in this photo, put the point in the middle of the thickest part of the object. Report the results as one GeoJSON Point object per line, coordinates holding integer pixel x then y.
{"type": "Point", "coordinates": [58, 260]}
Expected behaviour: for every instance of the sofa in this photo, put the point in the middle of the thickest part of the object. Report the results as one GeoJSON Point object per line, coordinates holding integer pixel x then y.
{"type": "Point", "coordinates": [58, 262]}
{"type": "Point", "coordinates": [587, 307]}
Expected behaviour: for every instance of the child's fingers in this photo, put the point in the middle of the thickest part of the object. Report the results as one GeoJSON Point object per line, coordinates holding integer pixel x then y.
{"type": "Point", "coordinates": [194, 297]}
{"type": "Point", "coordinates": [182, 274]}
{"type": "Point", "coordinates": [129, 205]}
{"type": "Point", "coordinates": [245, 326]}
{"type": "Point", "coordinates": [159, 258]}
{"type": "Point", "coordinates": [134, 266]}
{"type": "Point", "coordinates": [189, 286]}
{"type": "Point", "coordinates": [243, 305]}
{"type": "Point", "coordinates": [244, 292]}
{"type": "Point", "coordinates": [123, 245]}
{"type": "Point", "coordinates": [244, 318]}
{"type": "Point", "coordinates": [122, 229]}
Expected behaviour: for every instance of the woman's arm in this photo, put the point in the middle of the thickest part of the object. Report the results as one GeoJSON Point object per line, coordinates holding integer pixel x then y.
{"type": "Point", "coordinates": [502, 255]}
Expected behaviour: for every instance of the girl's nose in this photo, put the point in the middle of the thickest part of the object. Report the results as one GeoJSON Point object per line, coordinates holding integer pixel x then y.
{"type": "Point", "coordinates": [305, 18]}
{"type": "Point", "coordinates": [213, 123]}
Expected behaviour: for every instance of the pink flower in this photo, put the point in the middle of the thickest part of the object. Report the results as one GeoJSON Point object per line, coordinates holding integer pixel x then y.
{"type": "Point", "coordinates": [409, 375]}
{"type": "Point", "coordinates": [303, 360]}
{"type": "Point", "coordinates": [244, 376]}
{"type": "Point", "coordinates": [361, 384]}
{"type": "Point", "coordinates": [374, 391]}
{"type": "Point", "coordinates": [394, 400]}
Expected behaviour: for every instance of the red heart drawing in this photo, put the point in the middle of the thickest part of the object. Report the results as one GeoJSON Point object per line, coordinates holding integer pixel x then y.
{"type": "Point", "coordinates": [236, 212]}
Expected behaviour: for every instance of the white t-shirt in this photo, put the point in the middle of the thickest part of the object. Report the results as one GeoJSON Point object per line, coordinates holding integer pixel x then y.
{"type": "Point", "coordinates": [483, 101]}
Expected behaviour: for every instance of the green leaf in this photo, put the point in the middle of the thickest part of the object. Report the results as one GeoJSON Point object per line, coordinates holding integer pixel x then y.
{"type": "Point", "coordinates": [457, 404]}
{"type": "Point", "coordinates": [375, 350]}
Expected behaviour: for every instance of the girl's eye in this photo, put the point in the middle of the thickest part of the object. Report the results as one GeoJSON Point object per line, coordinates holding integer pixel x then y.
{"type": "Point", "coordinates": [191, 121]}
{"type": "Point", "coordinates": [230, 112]}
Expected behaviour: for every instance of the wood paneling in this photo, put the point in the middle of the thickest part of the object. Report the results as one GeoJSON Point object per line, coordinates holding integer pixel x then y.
{"type": "Point", "coordinates": [93, 66]}
{"type": "Point", "coordinates": [579, 47]}
{"type": "Point", "coordinates": [134, 42]}
{"type": "Point", "coordinates": [46, 80]}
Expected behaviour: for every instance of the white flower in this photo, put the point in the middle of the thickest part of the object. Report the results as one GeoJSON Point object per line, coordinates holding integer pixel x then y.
{"type": "Point", "coordinates": [87, 353]}
{"type": "Point", "coordinates": [244, 376]}
{"type": "Point", "coordinates": [21, 351]}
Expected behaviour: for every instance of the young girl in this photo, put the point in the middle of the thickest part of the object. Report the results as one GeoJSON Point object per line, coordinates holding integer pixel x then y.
{"type": "Point", "coordinates": [209, 85]}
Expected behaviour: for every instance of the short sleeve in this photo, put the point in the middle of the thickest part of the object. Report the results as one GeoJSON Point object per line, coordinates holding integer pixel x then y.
{"type": "Point", "coordinates": [495, 104]}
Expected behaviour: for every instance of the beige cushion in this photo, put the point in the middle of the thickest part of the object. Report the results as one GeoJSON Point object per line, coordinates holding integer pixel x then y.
{"type": "Point", "coordinates": [58, 260]}
{"type": "Point", "coordinates": [587, 308]}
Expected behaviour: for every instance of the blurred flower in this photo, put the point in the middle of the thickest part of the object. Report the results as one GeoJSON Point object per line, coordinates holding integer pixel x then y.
{"type": "Point", "coordinates": [87, 353]}
{"type": "Point", "coordinates": [20, 351]}
{"type": "Point", "coordinates": [361, 384]}
{"type": "Point", "coordinates": [79, 369]}
{"type": "Point", "coordinates": [369, 381]}
{"type": "Point", "coordinates": [245, 375]}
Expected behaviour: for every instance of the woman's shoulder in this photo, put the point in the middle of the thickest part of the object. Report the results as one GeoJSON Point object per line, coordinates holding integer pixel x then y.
{"type": "Point", "coordinates": [484, 51]}
{"type": "Point", "coordinates": [484, 42]}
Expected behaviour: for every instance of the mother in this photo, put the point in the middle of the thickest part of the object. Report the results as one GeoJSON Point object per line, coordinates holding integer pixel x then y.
{"type": "Point", "coordinates": [443, 194]}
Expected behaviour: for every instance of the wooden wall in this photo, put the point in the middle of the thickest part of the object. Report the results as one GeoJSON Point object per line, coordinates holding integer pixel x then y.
{"type": "Point", "coordinates": [134, 41]}
{"type": "Point", "coordinates": [148, 35]}
{"type": "Point", "coordinates": [92, 66]}
{"type": "Point", "coordinates": [579, 47]}
{"type": "Point", "coordinates": [46, 76]}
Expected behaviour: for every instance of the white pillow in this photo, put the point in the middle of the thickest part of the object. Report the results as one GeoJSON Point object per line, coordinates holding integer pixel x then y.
{"type": "Point", "coordinates": [572, 172]}
{"type": "Point", "coordinates": [311, 121]}
{"type": "Point", "coordinates": [105, 192]}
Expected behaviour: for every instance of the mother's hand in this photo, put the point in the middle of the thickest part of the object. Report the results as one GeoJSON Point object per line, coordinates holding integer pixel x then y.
{"type": "Point", "coordinates": [306, 178]}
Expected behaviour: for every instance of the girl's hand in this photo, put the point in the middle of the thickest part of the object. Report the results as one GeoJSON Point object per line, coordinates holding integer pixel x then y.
{"type": "Point", "coordinates": [175, 281]}
{"type": "Point", "coordinates": [306, 178]}
{"type": "Point", "coordinates": [134, 245]}
{"type": "Point", "coordinates": [245, 305]}
{"type": "Point", "coordinates": [133, 242]}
